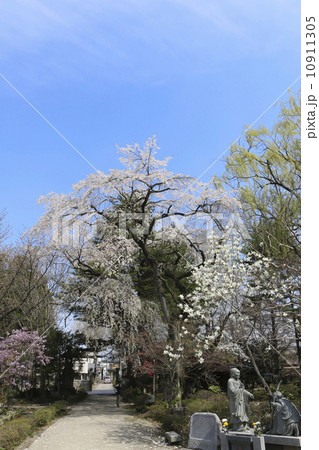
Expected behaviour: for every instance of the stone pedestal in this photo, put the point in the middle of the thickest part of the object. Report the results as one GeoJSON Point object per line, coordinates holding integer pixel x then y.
{"type": "Point", "coordinates": [241, 441]}
{"type": "Point", "coordinates": [233, 441]}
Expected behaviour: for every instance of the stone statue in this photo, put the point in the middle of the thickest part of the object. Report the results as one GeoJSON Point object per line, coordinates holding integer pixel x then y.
{"type": "Point", "coordinates": [285, 417]}
{"type": "Point", "coordinates": [239, 400]}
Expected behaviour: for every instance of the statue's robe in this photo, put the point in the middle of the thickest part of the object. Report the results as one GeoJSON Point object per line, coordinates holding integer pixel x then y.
{"type": "Point", "coordinates": [238, 404]}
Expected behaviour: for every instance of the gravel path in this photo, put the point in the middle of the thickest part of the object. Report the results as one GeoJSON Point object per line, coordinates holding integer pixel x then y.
{"type": "Point", "coordinates": [96, 423]}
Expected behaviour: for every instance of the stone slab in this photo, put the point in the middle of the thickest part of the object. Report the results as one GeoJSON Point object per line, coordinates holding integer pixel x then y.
{"type": "Point", "coordinates": [283, 440]}
{"type": "Point", "coordinates": [172, 437]}
{"type": "Point", "coordinates": [275, 442]}
{"type": "Point", "coordinates": [204, 431]}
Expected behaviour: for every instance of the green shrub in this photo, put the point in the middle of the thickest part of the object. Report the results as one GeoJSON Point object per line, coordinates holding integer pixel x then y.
{"type": "Point", "coordinates": [208, 395]}
{"type": "Point", "coordinates": [10, 395]}
{"type": "Point", "coordinates": [140, 402]}
{"type": "Point", "coordinates": [14, 432]}
{"type": "Point", "coordinates": [129, 394]}
{"type": "Point", "coordinates": [78, 396]}
{"type": "Point", "coordinates": [9, 415]}
{"type": "Point", "coordinates": [207, 401]}
{"type": "Point", "coordinates": [173, 422]}
{"type": "Point", "coordinates": [43, 417]}
{"type": "Point", "coordinates": [215, 389]}
{"type": "Point", "coordinates": [291, 392]}
{"type": "Point", "coordinates": [160, 398]}
{"type": "Point", "coordinates": [260, 412]}
{"type": "Point", "coordinates": [157, 411]}
{"type": "Point", "coordinates": [260, 395]}
{"type": "Point", "coordinates": [60, 406]}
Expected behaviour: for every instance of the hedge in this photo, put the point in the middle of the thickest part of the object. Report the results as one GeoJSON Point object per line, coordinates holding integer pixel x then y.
{"type": "Point", "coordinates": [15, 431]}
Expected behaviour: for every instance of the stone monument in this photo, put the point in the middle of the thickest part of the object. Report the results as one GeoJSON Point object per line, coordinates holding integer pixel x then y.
{"type": "Point", "coordinates": [239, 400]}
{"type": "Point", "coordinates": [204, 431]}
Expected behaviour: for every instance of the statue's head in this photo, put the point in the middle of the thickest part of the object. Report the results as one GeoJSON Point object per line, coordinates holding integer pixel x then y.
{"type": "Point", "coordinates": [277, 396]}
{"type": "Point", "coordinates": [235, 373]}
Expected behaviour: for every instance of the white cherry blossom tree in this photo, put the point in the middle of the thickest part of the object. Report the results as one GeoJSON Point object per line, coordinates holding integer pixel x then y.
{"type": "Point", "coordinates": [142, 211]}
{"type": "Point", "coordinates": [232, 305]}
{"type": "Point", "coordinates": [133, 209]}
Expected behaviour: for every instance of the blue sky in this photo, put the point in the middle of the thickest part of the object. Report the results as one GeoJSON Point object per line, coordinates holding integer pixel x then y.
{"type": "Point", "coordinates": [108, 73]}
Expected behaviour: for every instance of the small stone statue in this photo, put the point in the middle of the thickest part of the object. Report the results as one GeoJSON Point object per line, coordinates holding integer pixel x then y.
{"type": "Point", "coordinates": [285, 418]}
{"type": "Point", "coordinates": [239, 400]}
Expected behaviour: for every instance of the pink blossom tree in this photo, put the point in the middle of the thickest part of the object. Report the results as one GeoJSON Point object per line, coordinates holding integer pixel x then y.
{"type": "Point", "coordinates": [20, 353]}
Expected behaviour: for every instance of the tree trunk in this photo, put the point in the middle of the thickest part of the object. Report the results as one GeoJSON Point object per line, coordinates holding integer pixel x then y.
{"type": "Point", "coordinates": [178, 372]}
{"type": "Point", "coordinates": [263, 381]}
{"type": "Point", "coordinates": [130, 374]}
{"type": "Point", "coordinates": [275, 343]}
{"type": "Point", "coordinates": [297, 338]}
{"type": "Point", "coordinates": [42, 384]}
